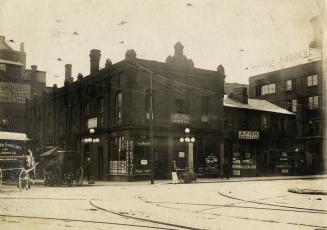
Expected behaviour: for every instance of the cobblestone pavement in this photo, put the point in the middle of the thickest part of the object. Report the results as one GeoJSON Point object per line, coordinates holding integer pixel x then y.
{"type": "Point", "coordinates": [241, 204]}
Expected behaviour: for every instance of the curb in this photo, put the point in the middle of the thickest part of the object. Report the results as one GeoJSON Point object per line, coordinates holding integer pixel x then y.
{"type": "Point", "coordinates": [307, 191]}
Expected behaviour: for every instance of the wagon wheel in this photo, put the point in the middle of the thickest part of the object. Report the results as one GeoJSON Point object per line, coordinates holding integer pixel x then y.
{"type": "Point", "coordinates": [0, 176]}
{"type": "Point", "coordinates": [79, 176]}
{"type": "Point", "coordinates": [57, 176]}
{"type": "Point", "coordinates": [23, 180]}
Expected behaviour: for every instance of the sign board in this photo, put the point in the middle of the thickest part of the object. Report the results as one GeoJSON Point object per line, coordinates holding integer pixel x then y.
{"type": "Point", "coordinates": [284, 171]}
{"type": "Point", "coordinates": [14, 92]}
{"type": "Point", "coordinates": [92, 123]}
{"type": "Point", "coordinates": [143, 143]}
{"type": "Point", "coordinates": [237, 172]}
{"type": "Point", "coordinates": [144, 162]}
{"type": "Point", "coordinates": [181, 154]}
{"type": "Point", "coordinates": [180, 118]}
{"type": "Point", "coordinates": [249, 135]}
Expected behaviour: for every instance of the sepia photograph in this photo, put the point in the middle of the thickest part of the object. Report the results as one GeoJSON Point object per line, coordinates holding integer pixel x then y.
{"type": "Point", "coordinates": [163, 114]}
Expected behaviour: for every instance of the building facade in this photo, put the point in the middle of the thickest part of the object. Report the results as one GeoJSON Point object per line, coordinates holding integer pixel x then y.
{"type": "Point", "coordinates": [260, 137]}
{"type": "Point", "coordinates": [16, 85]}
{"type": "Point", "coordinates": [115, 103]}
{"type": "Point", "coordinates": [298, 89]}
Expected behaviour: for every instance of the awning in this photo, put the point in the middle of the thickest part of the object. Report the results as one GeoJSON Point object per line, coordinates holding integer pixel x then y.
{"type": "Point", "coordinates": [13, 136]}
{"type": "Point", "coordinates": [49, 152]}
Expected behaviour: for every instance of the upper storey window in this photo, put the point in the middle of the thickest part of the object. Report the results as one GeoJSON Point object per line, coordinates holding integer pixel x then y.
{"type": "Point", "coordinates": [312, 80]}
{"type": "Point", "coordinates": [3, 67]}
{"type": "Point", "coordinates": [268, 89]}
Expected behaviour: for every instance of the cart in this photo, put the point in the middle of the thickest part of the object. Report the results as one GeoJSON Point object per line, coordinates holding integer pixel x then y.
{"type": "Point", "coordinates": [61, 167]}
{"type": "Point", "coordinates": [13, 160]}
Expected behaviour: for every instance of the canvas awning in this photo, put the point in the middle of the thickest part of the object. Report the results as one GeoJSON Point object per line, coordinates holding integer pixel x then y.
{"type": "Point", "coordinates": [49, 152]}
{"type": "Point", "coordinates": [13, 136]}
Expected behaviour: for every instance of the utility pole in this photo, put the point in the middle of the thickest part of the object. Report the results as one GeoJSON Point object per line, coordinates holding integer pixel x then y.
{"type": "Point", "coordinates": [151, 130]}
{"type": "Point", "coordinates": [151, 121]}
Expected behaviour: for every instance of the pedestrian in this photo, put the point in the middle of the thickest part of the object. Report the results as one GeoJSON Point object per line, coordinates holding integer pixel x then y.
{"type": "Point", "coordinates": [174, 172]}
{"type": "Point", "coordinates": [88, 168]}
{"type": "Point", "coordinates": [225, 170]}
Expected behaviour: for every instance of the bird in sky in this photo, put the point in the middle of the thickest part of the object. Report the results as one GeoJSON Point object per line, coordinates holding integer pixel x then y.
{"type": "Point", "coordinates": [121, 42]}
{"type": "Point", "coordinates": [58, 20]}
{"type": "Point", "coordinates": [189, 4]}
{"type": "Point", "coordinates": [241, 50]}
{"type": "Point", "coordinates": [122, 23]}
{"type": "Point", "coordinates": [246, 68]}
{"type": "Point", "coordinates": [75, 33]}
{"type": "Point", "coordinates": [56, 76]}
{"type": "Point", "coordinates": [59, 59]}
{"type": "Point", "coordinates": [11, 40]}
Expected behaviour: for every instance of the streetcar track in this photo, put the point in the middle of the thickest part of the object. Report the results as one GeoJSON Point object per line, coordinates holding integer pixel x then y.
{"type": "Point", "coordinates": [276, 205]}
{"type": "Point", "coordinates": [83, 221]}
{"type": "Point", "coordinates": [236, 217]}
{"type": "Point", "coordinates": [141, 219]}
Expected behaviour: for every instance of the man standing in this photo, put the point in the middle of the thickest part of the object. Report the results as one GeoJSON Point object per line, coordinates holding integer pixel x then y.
{"type": "Point", "coordinates": [225, 170]}
{"type": "Point", "coordinates": [173, 172]}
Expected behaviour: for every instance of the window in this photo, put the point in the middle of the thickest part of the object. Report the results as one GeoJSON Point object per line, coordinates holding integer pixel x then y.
{"type": "Point", "coordinates": [204, 109]}
{"type": "Point", "coordinates": [180, 106]}
{"type": "Point", "coordinates": [313, 128]}
{"type": "Point", "coordinates": [264, 121]}
{"type": "Point", "coordinates": [86, 112]}
{"type": "Point", "coordinates": [268, 89]}
{"type": "Point", "coordinates": [290, 85]}
{"type": "Point", "coordinates": [119, 103]}
{"type": "Point", "coordinates": [3, 67]}
{"type": "Point", "coordinates": [312, 80]}
{"type": "Point", "coordinates": [294, 105]}
{"type": "Point", "coordinates": [100, 111]}
{"type": "Point", "coordinates": [147, 102]}
{"type": "Point", "coordinates": [313, 102]}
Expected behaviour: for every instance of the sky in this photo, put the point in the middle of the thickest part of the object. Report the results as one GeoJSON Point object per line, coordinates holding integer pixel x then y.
{"type": "Point", "coordinates": [247, 37]}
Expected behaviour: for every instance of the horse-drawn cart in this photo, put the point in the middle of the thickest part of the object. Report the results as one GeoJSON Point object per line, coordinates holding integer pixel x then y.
{"type": "Point", "coordinates": [13, 164]}
{"type": "Point", "coordinates": [61, 167]}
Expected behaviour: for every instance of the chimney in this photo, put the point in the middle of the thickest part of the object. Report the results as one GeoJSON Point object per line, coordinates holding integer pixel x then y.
{"type": "Point", "coordinates": [94, 61]}
{"type": "Point", "coordinates": [68, 73]}
{"type": "Point", "coordinates": [108, 64]}
{"type": "Point", "coordinates": [178, 49]}
{"type": "Point", "coordinates": [22, 47]}
{"type": "Point", "coordinates": [34, 67]}
{"type": "Point", "coordinates": [317, 33]}
{"type": "Point", "coordinates": [240, 94]}
{"type": "Point", "coordinates": [79, 77]}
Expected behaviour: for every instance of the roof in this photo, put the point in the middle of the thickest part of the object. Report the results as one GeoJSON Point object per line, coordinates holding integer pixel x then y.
{"type": "Point", "coordinates": [10, 62]}
{"type": "Point", "coordinates": [256, 104]}
{"type": "Point", "coordinates": [13, 136]}
{"type": "Point", "coordinates": [4, 45]}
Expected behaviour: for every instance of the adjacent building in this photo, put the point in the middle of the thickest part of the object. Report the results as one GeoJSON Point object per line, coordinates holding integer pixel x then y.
{"type": "Point", "coordinates": [115, 102]}
{"type": "Point", "coordinates": [260, 137]}
{"type": "Point", "coordinates": [16, 85]}
{"type": "Point", "coordinates": [299, 90]}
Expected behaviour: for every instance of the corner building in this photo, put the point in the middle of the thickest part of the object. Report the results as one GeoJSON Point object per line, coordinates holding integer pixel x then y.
{"type": "Point", "coordinates": [115, 102]}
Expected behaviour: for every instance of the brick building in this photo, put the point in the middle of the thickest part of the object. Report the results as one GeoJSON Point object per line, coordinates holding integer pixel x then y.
{"type": "Point", "coordinates": [16, 85]}
{"type": "Point", "coordinates": [298, 89]}
{"type": "Point", "coordinates": [115, 102]}
{"type": "Point", "coordinates": [260, 137]}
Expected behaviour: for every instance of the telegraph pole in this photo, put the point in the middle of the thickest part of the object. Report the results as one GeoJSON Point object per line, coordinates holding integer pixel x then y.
{"type": "Point", "coordinates": [151, 130]}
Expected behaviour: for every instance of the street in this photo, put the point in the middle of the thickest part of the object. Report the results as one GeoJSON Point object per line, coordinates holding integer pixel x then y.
{"type": "Point", "coordinates": [139, 205]}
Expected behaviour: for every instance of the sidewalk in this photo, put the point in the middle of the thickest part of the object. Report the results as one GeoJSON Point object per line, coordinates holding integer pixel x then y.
{"type": "Point", "coordinates": [200, 180]}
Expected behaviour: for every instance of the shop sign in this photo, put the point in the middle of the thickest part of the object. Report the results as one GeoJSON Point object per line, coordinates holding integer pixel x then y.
{"type": "Point", "coordinates": [92, 123]}
{"type": "Point", "coordinates": [180, 118]}
{"type": "Point", "coordinates": [237, 172]}
{"type": "Point", "coordinates": [144, 162]}
{"type": "Point", "coordinates": [181, 154]}
{"type": "Point", "coordinates": [249, 135]}
{"type": "Point", "coordinates": [14, 92]}
{"type": "Point", "coordinates": [284, 170]}
{"type": "Point", "coordinates": [143, 143]}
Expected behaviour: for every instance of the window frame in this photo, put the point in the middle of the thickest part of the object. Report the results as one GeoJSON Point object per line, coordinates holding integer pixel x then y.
{"type": "Point", "coordinates": [118, 107]}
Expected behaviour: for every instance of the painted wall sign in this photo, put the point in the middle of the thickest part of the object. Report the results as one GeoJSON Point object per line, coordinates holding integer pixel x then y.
{"type": "Point", "coordinates": [144, 162]}
{"type": "Point", "coordinates": [249, 135]}
{"type": "Point", "coordinates": [14, 92]}
{"type": "Point", "coordinates": [179, 118]}
{"type": "Point", "coordinates": [181, 154]}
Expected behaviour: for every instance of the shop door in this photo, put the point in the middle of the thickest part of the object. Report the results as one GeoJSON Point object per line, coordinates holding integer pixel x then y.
{"type": "Point", "coordinates": [100, 163]}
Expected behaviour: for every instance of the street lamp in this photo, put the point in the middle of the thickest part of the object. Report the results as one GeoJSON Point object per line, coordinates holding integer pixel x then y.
{"type": "Point", "coordinates": [91, 140]}
{"type": "Point", "coordinates": [189, 140]}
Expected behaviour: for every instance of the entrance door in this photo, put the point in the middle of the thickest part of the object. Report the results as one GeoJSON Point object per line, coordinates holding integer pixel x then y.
{"type": "Point", "coordinates": [100, 163]}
